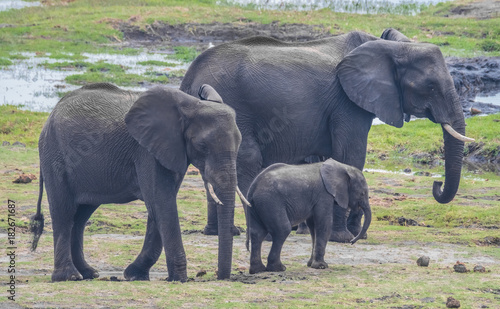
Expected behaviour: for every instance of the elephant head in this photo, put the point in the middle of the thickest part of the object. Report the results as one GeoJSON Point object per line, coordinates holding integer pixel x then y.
{"type": "Point", "coordinates": [179, 129]}
{"type": "Point", "coordinates": [395, 79]}
{"type": "Point", "coordinates": [349, 188]}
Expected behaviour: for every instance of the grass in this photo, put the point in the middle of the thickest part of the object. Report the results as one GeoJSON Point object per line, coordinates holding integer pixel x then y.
{"type": "Point", "coordinates": [402, 147]}
{"type": "Point", "coordinates": [157, 63]}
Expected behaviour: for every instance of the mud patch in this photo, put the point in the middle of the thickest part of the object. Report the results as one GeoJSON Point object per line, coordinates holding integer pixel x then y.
{"type": "Point", "coordinates": [479, 10]}
{"type": "Point", "coordinates": [203, 34]}
{"type": "Point", "coordinates": [473, 77]}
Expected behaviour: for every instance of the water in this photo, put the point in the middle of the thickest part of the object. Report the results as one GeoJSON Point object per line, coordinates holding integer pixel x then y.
{"type": "Point", "coordinates": [9, 5]}
{"type": "Point", "coordinates": [404, 7]}
{"type": "Point", "coordinates": [36, 88]}
{"type": "Point", "coordinates": [493, 99]}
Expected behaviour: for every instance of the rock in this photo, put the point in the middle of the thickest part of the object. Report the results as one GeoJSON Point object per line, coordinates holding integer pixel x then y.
{"type": "Point", "coordinates": [19, 144]}
{"type": "Point", "coordinates": [479, 269]}
{"type": "Point", "coordinates": [5, 143]}
{"type": "Point", "coordinates": [24, 178]}
{"type": "Point", "coordinates": [423, 261]}
{"type": "Point", "coordinates": [407, 170]}
{"type": "Point", "coordinates": [460, 268]}
{"type": "Point", "coordinates": [407, 222]}
{"type": "Point", "coordinates": [475, 111]}
{"type": "Point", "coordinates": [452, 303]}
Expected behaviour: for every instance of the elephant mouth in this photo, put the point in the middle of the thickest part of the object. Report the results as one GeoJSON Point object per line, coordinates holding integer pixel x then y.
{"type": "Point", "coordinates": [216, 199]}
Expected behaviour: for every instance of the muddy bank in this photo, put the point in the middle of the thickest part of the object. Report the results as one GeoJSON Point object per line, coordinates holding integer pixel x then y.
{"type": "Point", "coordinates": [479, 10]}
{"type": "Point", "coordinates": [476, 77]}
{"type": "Point", "coordinates": [216, 33]}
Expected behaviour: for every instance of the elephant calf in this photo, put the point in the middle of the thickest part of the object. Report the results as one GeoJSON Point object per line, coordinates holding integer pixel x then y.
{"type": "Point", "coordinates": [285, 195]}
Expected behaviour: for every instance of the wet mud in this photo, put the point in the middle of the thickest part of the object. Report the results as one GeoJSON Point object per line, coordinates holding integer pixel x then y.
{"type": "Point", "coordinates": [216, 33]}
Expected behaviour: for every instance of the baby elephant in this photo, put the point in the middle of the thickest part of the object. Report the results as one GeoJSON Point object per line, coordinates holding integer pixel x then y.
{"type": "Point", "coordinates": [285, 195]}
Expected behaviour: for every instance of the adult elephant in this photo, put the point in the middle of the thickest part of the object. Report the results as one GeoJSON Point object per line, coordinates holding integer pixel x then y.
{"type": "Point", "coordinates": [102, 144]}
{"type": "Point", "coordinates": [294, 100]}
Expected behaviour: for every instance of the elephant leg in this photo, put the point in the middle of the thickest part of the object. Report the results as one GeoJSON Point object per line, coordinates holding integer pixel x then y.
{"type": "Point", "coordinates": [62, 212]}
{"type": "Point", "coordinates": [82, 215]}
{"type": "Point", "coordinates": [162, 208]}
{"type": "Point", "coordinates": [312, 230]}
{"type": "Point", "coordinates": [339, 227]}
{"type": "Point", "coordinates": [302, 228]}
{"type": "Point", "coordinates": [151, 251]}
{"type": "Point", "coordinates": [321, 230]}
{"type": "Point", "coordinates": [257, 234]}
{"type": "Point", "coordinates": [279, 234]}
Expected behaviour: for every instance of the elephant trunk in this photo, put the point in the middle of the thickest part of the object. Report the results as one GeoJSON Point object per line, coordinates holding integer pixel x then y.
{"type": "Point", "coordinates": [453, 154]}
{"type": "Point", "coordinates": [365, 206]}
{"type": "Point", "coordinates": [223, 179]}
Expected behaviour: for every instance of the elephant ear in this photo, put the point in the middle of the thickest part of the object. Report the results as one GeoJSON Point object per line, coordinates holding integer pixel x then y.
{"type": "Point", "coordinates": [336, 180]}
{"type": "Point", "coordinates": [368, 76]}
{"type": "Point", "coordinates": [208, 93]}
{"type": "Point", "coordinates": [391, 34]}
{"type": "Point", "coordinates": [156, 123]}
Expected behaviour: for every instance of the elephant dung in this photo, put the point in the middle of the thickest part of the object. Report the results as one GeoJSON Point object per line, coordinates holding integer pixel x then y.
{"type": "Point", "coordinates": [452, 303]}
{"type": "Point", "coordinates": [459, 267]}
{"type": "Point", "coordinates": [423, 261]}
{"type": "Point", "coordinates": [479, 269]}
{"type": "Point", "coordinates": [24, 178]}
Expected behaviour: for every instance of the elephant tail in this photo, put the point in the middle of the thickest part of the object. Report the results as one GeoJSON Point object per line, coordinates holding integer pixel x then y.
{"type": "Point", "coordinates": [37, 221]}
{"type": "Point", "coordinates": [247, 214]}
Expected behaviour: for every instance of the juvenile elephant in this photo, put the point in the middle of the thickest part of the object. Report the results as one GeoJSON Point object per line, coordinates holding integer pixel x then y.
{"type": "Point", "coordinates": [319, 98]}
{"type": "Point", "coordinates": [102, 144]}
{"type": "Point", "coordinates": [285, 195]}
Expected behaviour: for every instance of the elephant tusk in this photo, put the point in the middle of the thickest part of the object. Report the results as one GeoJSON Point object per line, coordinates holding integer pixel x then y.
{"type": "Point", "coordinates": [242, 197]}
{"type": "Point", "coordinates": [213, 195]}
{"type": "Point", "coordinates": [456, 135]}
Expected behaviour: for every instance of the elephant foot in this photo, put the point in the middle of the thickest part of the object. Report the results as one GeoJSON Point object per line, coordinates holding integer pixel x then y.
{"type": "Point", "coordinates": [181, 278]}
{"type": "Point", "coordinates": [66, 274]}
{"type": "Point", "coordinates": [302, 229]}
{"type": "Point", "coordinates": [318, 265]}
{"type": "Point", "coordinates": [135, 273]}
{"type": "Point", "coordinates": [212, 230]}
{"type": "Point", "coordinates": [257, 268]}
{"type": "Point", "coordinates": [89, 273]}
{"type": "Point", "coordinates": [276, 267]}
{"type": "Point", "coordinates": [341, 236]}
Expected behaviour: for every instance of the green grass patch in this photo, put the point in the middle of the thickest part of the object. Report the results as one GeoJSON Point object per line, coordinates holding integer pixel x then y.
{"type": "Point", "coordinates": [184, 53]}
{"type": "Point", "coordinates": [157, 63]}
{"type": "Point", "coordinates": [19, 125]}
{"type": "Point", "coordinates": [65, 65]}
{"type": "Point", "coordinates": [5, 62]}
{"type": "Point", "coordinates": [421, 141]}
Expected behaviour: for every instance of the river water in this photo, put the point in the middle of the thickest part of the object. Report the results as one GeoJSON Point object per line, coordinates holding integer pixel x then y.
{"type": "Point", "coordinates": [404, 7]}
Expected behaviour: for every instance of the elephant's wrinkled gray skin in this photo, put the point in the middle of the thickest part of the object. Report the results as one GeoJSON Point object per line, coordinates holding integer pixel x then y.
{"type": "Point", "coordinates": [285, 195]}
{"type": "Point", "coordinates": [294, 100]}
{"type": "Point", "coordinates": [105, 145]}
